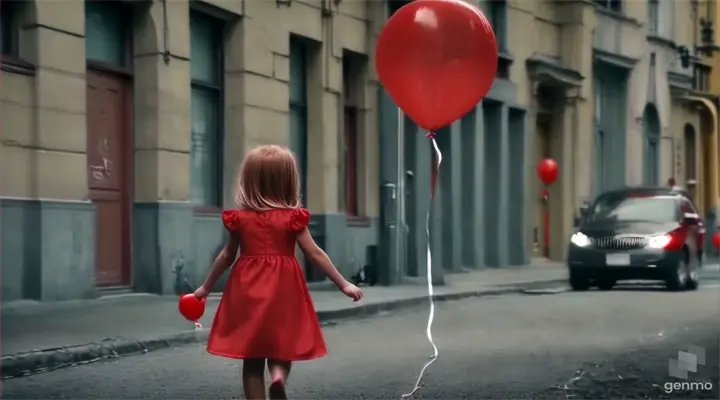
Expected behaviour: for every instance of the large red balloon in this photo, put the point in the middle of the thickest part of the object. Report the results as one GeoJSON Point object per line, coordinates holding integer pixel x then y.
{"type": "Point", "coordinates": [716, 240]}
{"type": "Point", "coordinates": [437, 59]}
{"type": "Point", "coordinates": [191, 307]}
{"type": "Point", "coordinates": [548, 171]}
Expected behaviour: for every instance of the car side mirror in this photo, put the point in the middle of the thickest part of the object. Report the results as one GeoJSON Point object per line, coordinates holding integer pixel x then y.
{"type": "Point", "coordinates": [691, 218]}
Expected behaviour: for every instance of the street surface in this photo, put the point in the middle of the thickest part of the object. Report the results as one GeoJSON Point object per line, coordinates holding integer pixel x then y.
{"type": "Point", "coordinates": [587, 345]}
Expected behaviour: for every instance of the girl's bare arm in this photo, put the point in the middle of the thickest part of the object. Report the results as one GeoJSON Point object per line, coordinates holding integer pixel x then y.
{"type": "Point", "coordinates": [222, 262]}
{"type": "Point", "coordinates": [319, 258]}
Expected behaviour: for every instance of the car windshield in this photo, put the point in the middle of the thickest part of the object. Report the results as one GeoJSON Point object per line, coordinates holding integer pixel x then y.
{"type": "Point", "coordinates": [634, 208]}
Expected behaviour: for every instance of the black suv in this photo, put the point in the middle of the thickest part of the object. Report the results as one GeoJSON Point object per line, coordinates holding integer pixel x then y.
{"type": "Point", "coordinates": [637, 234]}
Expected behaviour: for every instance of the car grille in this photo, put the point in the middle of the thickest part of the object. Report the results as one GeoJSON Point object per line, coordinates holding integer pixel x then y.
{"type": "Point", "coordinates": [619, 243]}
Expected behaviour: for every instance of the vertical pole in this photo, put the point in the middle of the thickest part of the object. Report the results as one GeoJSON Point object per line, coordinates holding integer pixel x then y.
{"type": "Point", "coordinates": [401, 226]}
{"type": "Point", "coordinates": [546, 196]}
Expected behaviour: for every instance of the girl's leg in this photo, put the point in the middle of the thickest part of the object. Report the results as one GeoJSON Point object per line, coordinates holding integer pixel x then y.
{"type": "Point", "coordinates": [279, 372]}
{"type": "Point", "coordinates": [253, 375]}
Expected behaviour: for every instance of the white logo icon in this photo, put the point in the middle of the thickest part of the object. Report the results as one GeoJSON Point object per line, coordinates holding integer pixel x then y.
{"type": "Point", "coordinates": [686, 361]}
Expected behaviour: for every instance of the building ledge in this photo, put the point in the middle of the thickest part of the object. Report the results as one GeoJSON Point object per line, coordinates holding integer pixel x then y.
{"type": "Point", "coordinates": [616, 60]}
{"type": "Point", "coordinates": [548, 69]}
{"type": "Point", "coordinates": [679, 81]}
{"type": "Point", "coordinates": [617, 15]}
{"type": "Point", "coordinates": [663, 41]}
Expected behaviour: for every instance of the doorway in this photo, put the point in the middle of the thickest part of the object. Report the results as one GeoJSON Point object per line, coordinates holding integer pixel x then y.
{"type": "Point", "coordinates": [109, 136]}
{"type": "Point", "coordinates": [543, 126]}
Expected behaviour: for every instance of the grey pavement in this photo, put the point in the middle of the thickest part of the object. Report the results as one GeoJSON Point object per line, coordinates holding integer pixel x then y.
{"type": "Point", "coordinates": [38, 337]}
{"type": "Point", "coordinates": [563, 345]}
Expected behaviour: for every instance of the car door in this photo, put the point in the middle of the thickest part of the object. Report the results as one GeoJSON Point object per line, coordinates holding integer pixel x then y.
{"type": "Point", "coordinates": [694, 230]}
{"type": "Point", "coordinates": [700, 231]}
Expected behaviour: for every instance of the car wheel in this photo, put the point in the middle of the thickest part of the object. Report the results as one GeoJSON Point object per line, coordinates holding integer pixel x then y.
{"type": "Point", "coordinates": [678, 278]}
{"type": "Point", "coordinates": [579, 284]}
{"type": "Point", "coordinates": [606, 285]}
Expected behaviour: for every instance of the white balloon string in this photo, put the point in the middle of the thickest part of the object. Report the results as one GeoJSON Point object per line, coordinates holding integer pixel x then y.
{"type": "Point", "coordinates": [431, 290]}
{"type": "Point", "coordinates": [198, 325]}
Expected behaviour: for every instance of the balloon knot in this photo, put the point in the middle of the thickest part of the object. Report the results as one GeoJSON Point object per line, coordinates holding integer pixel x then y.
{"type": "Point", "coordinates": [430, 135]}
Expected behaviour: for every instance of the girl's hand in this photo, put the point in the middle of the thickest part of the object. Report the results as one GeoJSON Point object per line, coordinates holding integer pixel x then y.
{"type": "Point", "coordinates": [201, 292]}
{"type": "Point", "coordinates": [352, 291]}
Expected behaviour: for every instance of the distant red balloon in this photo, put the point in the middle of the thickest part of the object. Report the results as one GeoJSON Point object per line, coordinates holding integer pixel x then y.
{"type": "Point", "coordinates": [191, 307]}
{"type": "Point", "coordinates": [437, 59]}
{"type": "Point", "coordinates": [716, 240]}
{"type": "Point", "coordinates": [548, 171]}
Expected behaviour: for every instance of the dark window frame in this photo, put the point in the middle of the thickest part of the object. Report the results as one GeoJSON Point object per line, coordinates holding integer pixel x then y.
{"type": "Point", "coordinates": [126, 12]}
{"type": "Point", "coordinates": [701, 77]}
{"type": "Point", "coordinates": [300, 49]}
{"type": "Point", "coordinates": [10, 60]}
{"type": "Point", "coordinates": [653, 17]}
{"type": "Point", "coordinates": [351, 145]}
{"type": "Point", "coordinates": [610, 5]}
{"type": "Point", "coordinates": [497, 14]}
{"type": "Point", "coordinates": [216, 90]}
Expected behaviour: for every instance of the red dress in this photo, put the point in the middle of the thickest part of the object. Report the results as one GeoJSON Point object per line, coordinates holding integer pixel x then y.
{"type": "Point", "coordinates": [266, 310]}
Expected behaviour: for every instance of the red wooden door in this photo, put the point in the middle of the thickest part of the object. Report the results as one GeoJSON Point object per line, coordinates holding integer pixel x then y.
{"type": "Point", "coordinates": [108, 175]}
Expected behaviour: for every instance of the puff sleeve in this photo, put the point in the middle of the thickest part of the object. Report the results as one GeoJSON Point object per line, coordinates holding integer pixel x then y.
{"type": "Point", "coordinates": [231, 220]}
{"type": "Point", "coordinates": [299, 219]}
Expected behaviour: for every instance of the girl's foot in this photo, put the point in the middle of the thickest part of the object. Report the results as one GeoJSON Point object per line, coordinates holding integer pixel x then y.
{"type": "Point", "coordinates": [277, 389]}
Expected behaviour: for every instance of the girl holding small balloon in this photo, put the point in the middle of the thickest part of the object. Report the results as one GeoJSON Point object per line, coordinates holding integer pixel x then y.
{"type": "Point", "coordinates": [266, 315]}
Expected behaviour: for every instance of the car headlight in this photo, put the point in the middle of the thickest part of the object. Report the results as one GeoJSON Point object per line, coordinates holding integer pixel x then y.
{"type": "Point", "coordinates": [580, 240]}
{"type": "Point", "coordinates": [659, 242]}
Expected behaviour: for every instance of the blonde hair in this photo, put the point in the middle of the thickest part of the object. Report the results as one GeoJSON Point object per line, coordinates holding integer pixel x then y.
{"type": "Point", "coordinates": [268, 179]}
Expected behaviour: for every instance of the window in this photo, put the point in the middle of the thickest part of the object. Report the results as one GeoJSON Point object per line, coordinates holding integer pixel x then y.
{"type": "Point", "coordinates": [299, 109]}
{"type": "Point", "coordinates": [701, 77]}
{"type": "Point", "coordinates": [394, 5]}
{"type": "Point", "coordinates": [634, 208]}
{"type": "Point", "coordinates": [206, 68]}
{"type": "Point", "coordinates": [612, 5]}
{"type": "Point", "coordinates": [653, 16]}
{"type": "Point", "coordinates": [496, 13]}
{"type": "Point", "coordinates": [106, 33]}
{"type": "Point", "coordinates": [9, 28]}
{"type": "Point", "coordinates": [351, 119]}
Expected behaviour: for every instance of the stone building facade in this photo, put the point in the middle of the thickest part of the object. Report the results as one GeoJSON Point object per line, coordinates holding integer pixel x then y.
{"type": "Point", "coordinates": [610, 98]}
{"type": "Point", "coordinates": [123, 124]}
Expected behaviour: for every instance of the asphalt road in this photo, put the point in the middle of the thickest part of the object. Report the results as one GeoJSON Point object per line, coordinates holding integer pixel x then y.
{"type": "Point", "coordinates": [590, 345]}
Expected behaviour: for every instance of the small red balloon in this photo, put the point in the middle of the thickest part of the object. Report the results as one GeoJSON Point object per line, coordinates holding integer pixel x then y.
{"type": "Point", "coordinates": [548, 171]}
{"type": "Point", "coordinates": [716, 240]}
{"type": "Point", "coordinates": [437, 59]}
{"type": "Point", "coordinates": [191, 307]}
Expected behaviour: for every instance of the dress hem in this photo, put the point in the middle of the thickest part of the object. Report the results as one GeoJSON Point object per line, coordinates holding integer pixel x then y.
{"type": "Point", "coordinates": [272, 357]}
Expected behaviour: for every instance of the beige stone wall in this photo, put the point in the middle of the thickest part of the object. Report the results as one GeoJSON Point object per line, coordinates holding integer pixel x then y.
{"type": "Point", "coordinates": [563, 31]}
{"type": "Point", "coordinates": [44, 121]}
{"type": "Point", "coordinates": [43, 117]}
{"type": "Point", "coordinates": [17, 115]}
{"type": "Point", "coordinates": [258, 110]}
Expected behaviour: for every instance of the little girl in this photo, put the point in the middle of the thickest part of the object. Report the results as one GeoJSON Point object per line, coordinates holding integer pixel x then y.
{"type": "Point", "coordinates": [266, 314]}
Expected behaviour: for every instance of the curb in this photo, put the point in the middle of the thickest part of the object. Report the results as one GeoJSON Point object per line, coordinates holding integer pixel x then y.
{"type": "Point", "coordinates": [33, 362]}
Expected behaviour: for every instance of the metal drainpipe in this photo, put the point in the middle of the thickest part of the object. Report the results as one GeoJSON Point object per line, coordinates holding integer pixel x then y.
{"type": "Point", "coordinates": [166, 34]}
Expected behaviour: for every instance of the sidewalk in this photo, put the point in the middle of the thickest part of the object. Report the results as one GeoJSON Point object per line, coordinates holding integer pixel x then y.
{"type": "Point", "coordinates": [38, 337]}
